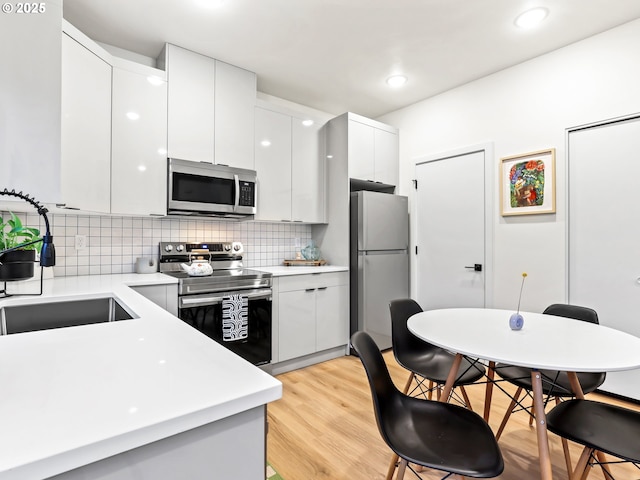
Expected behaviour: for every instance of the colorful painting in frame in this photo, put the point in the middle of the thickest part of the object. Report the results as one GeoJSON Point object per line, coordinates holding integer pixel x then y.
{"type": "Point", "coordinates": [528, 183]}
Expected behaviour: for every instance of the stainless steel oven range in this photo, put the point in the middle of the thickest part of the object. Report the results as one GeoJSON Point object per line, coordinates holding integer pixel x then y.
{"type": "Point", "coordinates": [231, 304]}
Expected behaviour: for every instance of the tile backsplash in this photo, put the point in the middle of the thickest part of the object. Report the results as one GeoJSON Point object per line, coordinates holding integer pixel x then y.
{"type": "Point", "coordinates": [113, 243]}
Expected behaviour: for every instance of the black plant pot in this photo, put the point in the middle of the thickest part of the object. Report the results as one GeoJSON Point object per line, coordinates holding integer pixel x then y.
{"type": "Point", "coordinates": [17, 265]}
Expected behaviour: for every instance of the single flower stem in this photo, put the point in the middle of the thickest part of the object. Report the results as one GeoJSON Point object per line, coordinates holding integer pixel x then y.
{"type": "Point", "coordinates": [520, 297]}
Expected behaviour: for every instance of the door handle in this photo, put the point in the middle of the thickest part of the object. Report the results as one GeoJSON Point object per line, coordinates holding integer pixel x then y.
{"type": "Point", "coordinates": [477, 267]}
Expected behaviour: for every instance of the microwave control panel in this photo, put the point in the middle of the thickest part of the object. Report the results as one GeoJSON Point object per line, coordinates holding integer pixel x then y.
{"type": "Point", "coordinates": [247, 194]}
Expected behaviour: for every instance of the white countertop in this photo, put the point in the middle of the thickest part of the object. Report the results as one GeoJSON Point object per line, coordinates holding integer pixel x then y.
{"type": "Point", "coordinates": [281, 270]}
{"type": "Point", "coordinates": [72, 396]}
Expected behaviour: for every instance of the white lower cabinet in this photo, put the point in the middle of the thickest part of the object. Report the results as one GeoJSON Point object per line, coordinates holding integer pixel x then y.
{"type": "Point", "coordinates": [312, 313]}
{"type": "Point", "coordinates": [166, 296]}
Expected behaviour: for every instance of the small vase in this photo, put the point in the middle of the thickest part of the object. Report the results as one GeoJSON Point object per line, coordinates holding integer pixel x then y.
{"type": "Point", "coordinates": [516, 321]}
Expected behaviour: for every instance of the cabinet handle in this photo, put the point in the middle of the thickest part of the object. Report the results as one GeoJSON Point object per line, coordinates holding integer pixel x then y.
{"type": "Point", "coordinates": [322, 288]}
{"type": "Point", "coordinates": [309, 289]}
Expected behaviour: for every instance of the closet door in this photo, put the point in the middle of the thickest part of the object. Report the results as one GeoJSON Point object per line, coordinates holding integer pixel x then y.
{"type": "Point", "coordinates": [604, 231]}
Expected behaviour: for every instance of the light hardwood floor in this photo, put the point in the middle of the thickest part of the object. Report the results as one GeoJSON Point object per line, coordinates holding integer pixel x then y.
{"type": "Point", "coordinates": [324, 428]}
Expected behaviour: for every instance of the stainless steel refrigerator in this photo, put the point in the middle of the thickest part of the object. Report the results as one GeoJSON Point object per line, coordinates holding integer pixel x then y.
{"type": "Point", "coordinates": [379, 260]}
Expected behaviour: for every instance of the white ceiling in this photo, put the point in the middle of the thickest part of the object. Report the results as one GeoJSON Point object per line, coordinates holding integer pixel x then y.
{"type": "Point", "coordinates": [335, 55]}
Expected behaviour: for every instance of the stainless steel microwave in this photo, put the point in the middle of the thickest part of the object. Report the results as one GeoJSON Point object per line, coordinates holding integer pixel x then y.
{"type": "Point", "coordinates": [199, 188]}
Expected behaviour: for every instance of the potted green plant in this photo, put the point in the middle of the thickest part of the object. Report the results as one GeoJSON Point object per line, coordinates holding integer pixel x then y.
{"type": "Point", "coordinates": [22, 244]}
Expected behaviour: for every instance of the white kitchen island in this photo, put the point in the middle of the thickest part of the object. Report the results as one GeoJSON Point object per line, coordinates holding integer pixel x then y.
{"type": "Point", "coordinates": [146, 398]}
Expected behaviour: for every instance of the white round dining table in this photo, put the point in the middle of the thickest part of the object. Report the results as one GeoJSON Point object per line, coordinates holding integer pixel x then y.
{"type": "Point", "coordinates": [544, 342]}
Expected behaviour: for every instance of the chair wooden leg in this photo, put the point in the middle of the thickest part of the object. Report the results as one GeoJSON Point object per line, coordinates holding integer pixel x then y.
{"type": "Point", "coordinates": [603, 464]}
{"type": "Point", "coordinates": [401, 468]}
{"type": "Point", "coordinates": [507, 414]}
{"type": "Point", "coordinates": [467, 401]}
{"type": "Point", "coordinates": [408, 384]}
{"type": "Point", "coordinates": [582, 469]}
{"type": "Point", "coordinates": [392, 467]}
{"type": "Point", "coordinates": [430, 396]}
{"type": "Point", "coordinates": [565, 449]}
{"type": "Point", "coordinates": [531, 416]}
{"type": "Point", "coordinates": [489, 390]}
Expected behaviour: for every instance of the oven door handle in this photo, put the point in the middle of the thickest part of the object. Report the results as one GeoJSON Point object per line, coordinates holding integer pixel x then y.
{"type": "Point", "coordinates": [201, 300]}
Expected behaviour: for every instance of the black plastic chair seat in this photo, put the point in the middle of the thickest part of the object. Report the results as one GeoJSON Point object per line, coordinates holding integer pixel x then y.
{"type": "Point", "coordinates": [603, 427]}
{"type": "Point", "coordinates": [436, 435]}
{"type": "Point", "coordinates": [435, 365]}
{"type": "Point", "coordinates": [423, 358]}
{"type": "Point", "coordinates": [553, 383]}
{"type": "Point", "coordinates": [442, 436]}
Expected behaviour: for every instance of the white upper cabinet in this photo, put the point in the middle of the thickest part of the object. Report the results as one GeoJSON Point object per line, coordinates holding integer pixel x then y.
{"type": "Point", "coordinates": [386, 158]}
{"type": "Point", "coordinates": [235, 99]}
{"type": "Point", "coordinates": [307, 171]}
{"type": "Point", "coordinates": [373, 150]}
{"type": "Point", "coordinates": [191, 97]}
{"type": "Point", "coordinates": [290, 166]}
{"type": "Point", "coordinates": [139, 149]}
{"type": "Point", "coordinates": [210, 109]}
{"type": "Point", "coordinates": [361, 151]}
{"type": "Point", "coordinates": [86, 128]}
{"type": "Point", "coordinates": [273, 164]}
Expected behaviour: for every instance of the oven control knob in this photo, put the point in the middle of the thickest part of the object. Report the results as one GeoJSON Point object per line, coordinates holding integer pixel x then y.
{"type": "Point", "coordinates": [168, 248]}
{"type": "Point", "coordinates": [227, 247]}
{"type": "Point", "coordinates": [179, 248]}
{"type": "Point", "coordinates": [236, 247]}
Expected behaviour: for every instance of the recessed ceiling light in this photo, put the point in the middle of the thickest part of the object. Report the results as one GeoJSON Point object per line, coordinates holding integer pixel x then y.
{"type": "Point", "coordinates": [396, 80]}
{"type": "Point", "coordinates": [265, 143]}
{"type": "Point", "coordinates": [133, 115]}
{"type": "Point", "coordinates": [531, 18]}
{"type": "Point", "coordinates": [307, 123]}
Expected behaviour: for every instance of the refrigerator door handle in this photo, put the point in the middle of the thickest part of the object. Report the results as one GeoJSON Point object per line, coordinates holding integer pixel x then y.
{"type": "Point", "coordinates": [383, 252]}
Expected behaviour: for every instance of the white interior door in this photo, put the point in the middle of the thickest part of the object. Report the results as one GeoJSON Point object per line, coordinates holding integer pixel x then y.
{"type": "Point", "coordinates": [451, 231]}
{"type": "Point", "coordinates": [604, 232]}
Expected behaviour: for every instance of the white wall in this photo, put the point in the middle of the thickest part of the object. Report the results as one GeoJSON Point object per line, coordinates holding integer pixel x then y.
{"type": "Point", "coordinates": [525, 108]}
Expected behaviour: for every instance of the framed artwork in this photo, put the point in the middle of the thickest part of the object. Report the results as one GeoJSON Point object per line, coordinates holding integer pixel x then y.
{"type": "Point", "coordinates": [528, 183]}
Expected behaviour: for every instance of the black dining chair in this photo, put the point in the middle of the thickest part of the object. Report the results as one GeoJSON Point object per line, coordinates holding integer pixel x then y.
{"type": "Point", "coordinates": [424, 360]}
{"type": "Point", "coordinates": [437, 435]}
{"type": "Point", "coordinates": [599, 427]}
{"type": "Point", "coordinates": [555, 384]}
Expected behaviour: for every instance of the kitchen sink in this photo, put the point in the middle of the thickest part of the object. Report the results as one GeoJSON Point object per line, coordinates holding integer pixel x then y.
{"type": "Point", "coordinates": [57, 314]}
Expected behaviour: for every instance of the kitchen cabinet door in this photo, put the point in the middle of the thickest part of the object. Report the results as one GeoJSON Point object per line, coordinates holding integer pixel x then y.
{"type": "Point", "coordinates": [235, 100]}
{"type": "Point", "coordinates": [307, 171]}
{"type": "Point", "coordinates": [86, 128]}
{"type": "Point", "coordinates": [165, 296]}
{"type": "Point", "coordinates": [273, 164]}
{"type": "Point", "coordinates": [332, 321]}
{"type": "Point", "coordinates": [191, 100]}
{"type": "Point", "coordinates": [386, 159]}
{"type": "Point", "coordinates": [139, 142]}
{"type": "Point", "coordinates": [297, 324]}
{"type": "Point", "coordinates": [361, 150]}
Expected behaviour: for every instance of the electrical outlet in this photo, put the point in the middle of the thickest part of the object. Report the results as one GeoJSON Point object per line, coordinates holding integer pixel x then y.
{"type": "Point", "coordinates": [296, 242]}
{"type": "Point", "coordinates": [81, 242]}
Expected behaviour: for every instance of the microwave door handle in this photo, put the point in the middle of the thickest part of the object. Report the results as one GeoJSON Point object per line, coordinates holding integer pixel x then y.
{"type": "Point", "coordinates": [237, 182]}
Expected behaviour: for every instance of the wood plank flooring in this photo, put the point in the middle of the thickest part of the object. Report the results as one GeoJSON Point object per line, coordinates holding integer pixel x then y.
{"type": "Point", "coordinates": [324, 428]}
